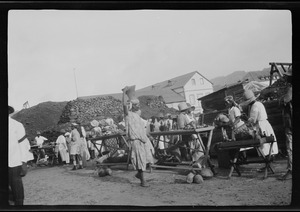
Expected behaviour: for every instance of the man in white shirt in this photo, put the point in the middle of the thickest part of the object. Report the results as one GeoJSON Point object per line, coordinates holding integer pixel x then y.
{"type": "Point", "coordinates": [18, 155]}
{"type": "Point", "coordinates": [39, 140]}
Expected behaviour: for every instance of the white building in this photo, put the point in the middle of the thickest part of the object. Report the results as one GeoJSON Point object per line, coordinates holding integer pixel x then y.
{"type": "Point", "coordinates": [185, 88]}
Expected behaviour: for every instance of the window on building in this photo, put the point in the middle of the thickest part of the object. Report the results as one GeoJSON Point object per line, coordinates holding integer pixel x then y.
{"type": "Point", "coordinates": [193, 82]}
{"type": "Point", "coordinates": [192, 99]}
{"type": "Point", "coordinates": [201, 81]}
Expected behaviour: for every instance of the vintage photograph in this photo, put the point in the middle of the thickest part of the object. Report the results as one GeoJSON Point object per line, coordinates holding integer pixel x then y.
{"type": "Point", "coordinates": [149, 107]}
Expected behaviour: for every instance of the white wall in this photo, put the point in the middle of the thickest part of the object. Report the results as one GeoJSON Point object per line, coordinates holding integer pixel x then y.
{"type": "Point", "coordinates": [195, 88]}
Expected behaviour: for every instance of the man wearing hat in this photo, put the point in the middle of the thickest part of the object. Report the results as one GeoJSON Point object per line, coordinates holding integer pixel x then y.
{"type": "Point", "coordinates": [287, 111]}
{"type": "Point", "coordinates": [258, 118]}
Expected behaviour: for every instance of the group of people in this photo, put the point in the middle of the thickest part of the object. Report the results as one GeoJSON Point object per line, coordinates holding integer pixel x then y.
{"type": "Point", "coordinates": [256, 121]}
{"type": "Point", "coordinates": [75, 145]}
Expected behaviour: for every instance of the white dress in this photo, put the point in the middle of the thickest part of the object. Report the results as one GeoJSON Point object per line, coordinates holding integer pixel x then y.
{"type": "Point", "coordinates": [258, 116]}
{"type": "Point", "coordinates": [63, 148]}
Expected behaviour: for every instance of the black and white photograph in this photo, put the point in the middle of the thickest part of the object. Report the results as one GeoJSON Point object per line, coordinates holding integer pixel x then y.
{"type": "Point", "coordinates": [149, 107]}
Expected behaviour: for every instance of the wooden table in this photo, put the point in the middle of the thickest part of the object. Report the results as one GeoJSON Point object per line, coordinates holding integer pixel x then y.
{"type": "Point", "coordinates": [49, 150]}
{"type": "Point", "coordinates": [198, 132]}
{"type": "Point", "coordinates": [256, 143]}
{"type": "Point", "coordinates": [112, 143]}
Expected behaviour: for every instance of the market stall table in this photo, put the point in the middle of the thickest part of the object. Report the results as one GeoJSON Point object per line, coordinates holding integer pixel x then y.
{"type": "Point", "coordinates": [256, 143]}
{"type": "Point", "coordinates": [112, 143]}
{"type": "Point", "coordinates": [198, 132]}
{"type": "Point", "coordinates": [48, 150]}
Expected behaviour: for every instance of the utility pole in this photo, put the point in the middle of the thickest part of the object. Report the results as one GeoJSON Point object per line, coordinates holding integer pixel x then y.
{"type": "Point", "coordinates": [75, 83]}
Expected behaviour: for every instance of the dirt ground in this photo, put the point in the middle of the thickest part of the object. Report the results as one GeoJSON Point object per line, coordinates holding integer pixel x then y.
{"type": "Point", "coordinates": [58, 185]}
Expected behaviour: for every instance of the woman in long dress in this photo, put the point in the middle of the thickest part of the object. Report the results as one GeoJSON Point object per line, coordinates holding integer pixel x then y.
{"type": "Point", "coordinates": [138, 139]}
{"type": "Point", "coordinates": [259, 119]}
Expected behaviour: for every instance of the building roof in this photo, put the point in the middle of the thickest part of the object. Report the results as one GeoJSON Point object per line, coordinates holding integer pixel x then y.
{"type": "Point", "coordinates": [173, 83]}
{"type": "Point", "coordinates": [165, 89]}
{"type": "Point", "coordinates": [168, 95]}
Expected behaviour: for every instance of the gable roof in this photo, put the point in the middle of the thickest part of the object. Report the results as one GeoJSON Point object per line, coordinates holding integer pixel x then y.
{"type": "Point", "coordinates": [168, 95]}
{"type": "Point", "coordinates": [164, 89]}
{"type": "Point", "coordinates": [173, 83]}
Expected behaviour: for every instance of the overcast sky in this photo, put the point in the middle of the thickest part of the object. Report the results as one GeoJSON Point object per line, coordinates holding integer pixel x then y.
{"type": "Point", "coordinates": [107, 50]}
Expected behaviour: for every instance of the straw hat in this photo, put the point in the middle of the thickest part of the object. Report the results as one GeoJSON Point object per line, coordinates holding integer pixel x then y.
{"type": "Point", "coordinates": [95, 123]}
{"type": "Point", "coordinates": [135, 101]}
{"type": "Point", "coordinates": [190, 106]}
{"type": "Point", "coordinates": [183, 106]}
{"type": "Point", "coordinates": [67, 134]}
{"type": "Point", "coordinates": [248, 97]}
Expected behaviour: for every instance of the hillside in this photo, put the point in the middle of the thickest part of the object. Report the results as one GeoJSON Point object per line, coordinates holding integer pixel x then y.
{"type": "Point", "coordinates": [50, 117]}
{"type": "Point", "coordinates": [42, 117]}
{"type": "Point", "coordinates": [220, 82]}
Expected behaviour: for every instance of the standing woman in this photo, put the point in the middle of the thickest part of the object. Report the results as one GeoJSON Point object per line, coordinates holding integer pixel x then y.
{"type": "Point", "coordinates": [75, 147]}
{"type": "Point", "coordinates": [259, 119]}
{"type": "Point", "coordinates": [62, 147]}
{"type": "Point", "coordinates": [136, 133]}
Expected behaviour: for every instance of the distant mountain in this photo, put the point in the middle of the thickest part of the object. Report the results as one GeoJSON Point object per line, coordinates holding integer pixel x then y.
{"type": "Point", "coordinates": [220, 82]}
